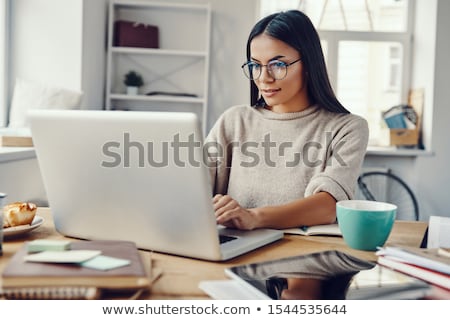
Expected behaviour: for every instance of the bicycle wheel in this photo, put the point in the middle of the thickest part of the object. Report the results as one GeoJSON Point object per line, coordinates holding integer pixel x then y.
{"type": "Point", "coordinates": [387, 187]}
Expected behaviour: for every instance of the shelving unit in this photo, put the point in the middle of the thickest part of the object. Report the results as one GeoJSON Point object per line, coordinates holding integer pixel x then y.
{"type": "Point", "coordinates": [179, 66]}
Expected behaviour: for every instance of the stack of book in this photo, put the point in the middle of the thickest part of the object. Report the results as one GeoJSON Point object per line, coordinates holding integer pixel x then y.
{"type": "Point", "coordinates": [400, 117]}
{"type": "Point", "coordinates": [54, 270]}
{"type": "Point", "coordinates": [429, 265]}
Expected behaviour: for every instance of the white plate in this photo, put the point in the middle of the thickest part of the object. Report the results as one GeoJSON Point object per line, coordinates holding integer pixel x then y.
{"type": "Point", "coordinates": [19, 230]}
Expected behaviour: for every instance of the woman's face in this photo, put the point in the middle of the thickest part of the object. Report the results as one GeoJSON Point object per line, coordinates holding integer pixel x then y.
{"type": "Point", "coordinates": [285, 95]}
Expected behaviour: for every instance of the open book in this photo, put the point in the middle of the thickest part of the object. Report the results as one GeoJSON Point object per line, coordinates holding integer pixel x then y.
{"type": "Point", "coordinates": [34, 277]}
{"type": "Point", "coordinates": [318, 230]}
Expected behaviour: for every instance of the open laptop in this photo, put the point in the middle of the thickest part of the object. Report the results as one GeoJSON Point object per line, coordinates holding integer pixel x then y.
{"type": "Point", "coordinates": [136, 176]}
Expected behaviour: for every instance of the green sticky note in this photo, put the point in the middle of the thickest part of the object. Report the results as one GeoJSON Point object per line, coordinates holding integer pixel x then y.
{"type": "Point", "coordinates": [47, 245]}
{"type": "Point", "coordinates": [68, 256]}
{"type": "Point", "coordinates": [105, 263]}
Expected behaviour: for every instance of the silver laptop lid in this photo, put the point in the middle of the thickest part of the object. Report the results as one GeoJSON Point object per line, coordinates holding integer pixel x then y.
{"type": "Point", "coordinates": [128, 175]}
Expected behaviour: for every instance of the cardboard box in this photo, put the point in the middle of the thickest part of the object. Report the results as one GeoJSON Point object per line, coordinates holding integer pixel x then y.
{"type": "Point", "coordinates": [404, 137]}
{"type": "Point", "coordinates": [134, 34]}
{"type": "Point", "coordinates": [410, 137]}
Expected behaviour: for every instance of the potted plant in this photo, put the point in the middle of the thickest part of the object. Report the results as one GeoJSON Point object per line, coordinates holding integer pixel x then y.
{"type": "Point", "coordinates": [133, 81]}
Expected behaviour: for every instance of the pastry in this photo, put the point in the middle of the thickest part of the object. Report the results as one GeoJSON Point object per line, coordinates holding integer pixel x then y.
{"type": "Point", "coordinates": [18, 213]}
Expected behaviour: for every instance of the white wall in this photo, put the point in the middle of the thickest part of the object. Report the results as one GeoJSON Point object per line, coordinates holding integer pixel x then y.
{"type": "Point", "coordinates": [46, 41]}
{"type": "Point", "coordinates": [3, 41]}
{"type": "Point", "coordinates": [93, 53]}
{"type": "Point", "coordinates": [433, 172]}
{"type": "Point", "coordinates": [60, 43]}
{"type": "Point", "coordinates": [232, 21]}
{"type": "Point", "coordinates": [424, 62]}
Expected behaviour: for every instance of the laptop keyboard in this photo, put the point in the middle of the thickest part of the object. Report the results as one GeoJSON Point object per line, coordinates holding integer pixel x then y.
{"type": "Point", "coordinates": [223, 239]}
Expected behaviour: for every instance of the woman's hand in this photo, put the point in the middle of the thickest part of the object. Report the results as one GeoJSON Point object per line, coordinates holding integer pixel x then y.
{"type": "Point", "coordinates": [230, 214]}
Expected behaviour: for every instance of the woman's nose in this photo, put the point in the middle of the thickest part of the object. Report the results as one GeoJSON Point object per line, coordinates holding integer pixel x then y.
{"type": "Point", "coordinates": [265, 75]}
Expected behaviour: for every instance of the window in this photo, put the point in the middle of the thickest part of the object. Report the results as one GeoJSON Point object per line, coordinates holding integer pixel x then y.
{"type": "Point", "coordinates": [393, 79]}
{"type": "Point", "coordinates": [367, 46]}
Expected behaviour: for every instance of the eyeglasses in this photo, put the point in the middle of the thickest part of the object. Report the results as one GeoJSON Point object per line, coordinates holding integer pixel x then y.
{"type": "Point", "coordinates": [276, 68]}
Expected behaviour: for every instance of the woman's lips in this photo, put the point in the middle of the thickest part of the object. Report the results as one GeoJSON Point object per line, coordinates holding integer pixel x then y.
{"type": "Point", "coordinates": [270, 92]}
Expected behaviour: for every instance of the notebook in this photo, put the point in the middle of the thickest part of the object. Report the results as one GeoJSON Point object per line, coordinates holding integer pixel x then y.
{"type": "Point", "coordinates": [317, 230]}
{"type": "Point", "coordinates": [136, 176]}
{"type": "Point", "coordinates": [21, 278]}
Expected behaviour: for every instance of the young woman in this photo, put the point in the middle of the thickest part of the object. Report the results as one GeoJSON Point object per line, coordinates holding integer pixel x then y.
{"type": "Point", "coordinates": [285, 160]}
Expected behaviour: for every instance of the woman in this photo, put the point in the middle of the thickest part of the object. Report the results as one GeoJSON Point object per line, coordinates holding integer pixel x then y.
{"type": "Point", "coordinates": [285, 160]}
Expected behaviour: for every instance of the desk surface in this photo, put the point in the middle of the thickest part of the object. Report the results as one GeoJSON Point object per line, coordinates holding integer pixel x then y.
{"type": "Point", "coordinates": [181, 276]}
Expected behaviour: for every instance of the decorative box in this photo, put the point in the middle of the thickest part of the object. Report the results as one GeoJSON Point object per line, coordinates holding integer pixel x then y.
{"type": "Point", "coordinates": [404, 137]}
{"type": "Point", "coordinates": [135, 34]}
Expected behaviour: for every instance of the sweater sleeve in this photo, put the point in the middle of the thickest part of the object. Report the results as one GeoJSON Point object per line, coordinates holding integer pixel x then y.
{"type": "Point", "coordinates": [219, 157]}
{"type": "Point", "coordinates": [345, 155]}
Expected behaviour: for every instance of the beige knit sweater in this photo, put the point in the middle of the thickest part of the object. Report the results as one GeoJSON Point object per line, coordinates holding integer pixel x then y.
{"type": "Point", "coordinates": [263, 158]}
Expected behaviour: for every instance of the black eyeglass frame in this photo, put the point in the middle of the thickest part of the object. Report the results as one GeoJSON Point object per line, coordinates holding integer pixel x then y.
{"type": "Point", "coordinates": [286, 65]}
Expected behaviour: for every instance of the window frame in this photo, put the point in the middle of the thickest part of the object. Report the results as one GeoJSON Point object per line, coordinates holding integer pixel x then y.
{"type": "Point", "coordinates": [393, 84]}
{"type": "Point", "coordinates": [333, 38]}
{"type": "Point", "coordinates": [405, 39]}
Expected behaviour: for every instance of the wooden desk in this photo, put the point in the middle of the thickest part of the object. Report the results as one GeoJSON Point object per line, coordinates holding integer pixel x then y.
{"type": "Point", "coordinates": [181, 276]}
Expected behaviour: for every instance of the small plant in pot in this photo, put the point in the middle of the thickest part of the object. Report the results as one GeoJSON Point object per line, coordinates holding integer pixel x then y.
{"type": "Point", "coordinates": [133, 81]}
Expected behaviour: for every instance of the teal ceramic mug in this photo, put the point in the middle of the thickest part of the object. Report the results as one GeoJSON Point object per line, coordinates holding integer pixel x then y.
{"type": "Point", "coordinates": [365, 225]}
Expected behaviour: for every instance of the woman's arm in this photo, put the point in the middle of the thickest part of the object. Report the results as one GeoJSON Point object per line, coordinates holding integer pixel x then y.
{"type": "Point", "coordinates": [319, 208]}
{"type": "Point", "coordinates": [335, 181]}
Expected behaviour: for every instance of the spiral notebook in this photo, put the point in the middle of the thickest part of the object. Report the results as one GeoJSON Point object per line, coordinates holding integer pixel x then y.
{"type": "Point", "coordinates": [51, 293]}
{"type": "Point", "coordinates": [64, 281]}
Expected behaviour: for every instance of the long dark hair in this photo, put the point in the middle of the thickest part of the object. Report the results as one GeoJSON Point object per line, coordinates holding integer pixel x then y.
{"type": "Point", "coordinates": [295, 29]}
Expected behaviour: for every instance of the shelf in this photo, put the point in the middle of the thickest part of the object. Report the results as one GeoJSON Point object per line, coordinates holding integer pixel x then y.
{"type": "Point", "coordinates": [180, 63]}
{"type": "Point", "coordinates": [397, 152]}
{"type": "Point", "coordinates": [165, 52]}
{"type": "Point", "coordinates": [161, 98]}
{"type": "Point", "coordinates": [146, 5]}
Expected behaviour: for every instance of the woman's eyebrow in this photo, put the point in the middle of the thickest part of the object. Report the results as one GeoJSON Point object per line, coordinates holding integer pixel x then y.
{"type": "Point", "coordinates": [277, 57]}
{"type": "Point", "coordinates": [271, 59]}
